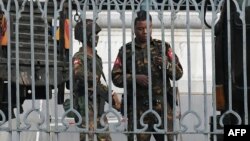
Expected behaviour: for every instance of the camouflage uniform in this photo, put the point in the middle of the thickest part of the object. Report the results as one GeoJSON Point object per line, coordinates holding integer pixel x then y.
{"type": "Point", "coordinates": [79, 79]}
{"type": "Point", "coordinates": [141, 65]}
{"type": "Point", "coordinates": [78, 62]}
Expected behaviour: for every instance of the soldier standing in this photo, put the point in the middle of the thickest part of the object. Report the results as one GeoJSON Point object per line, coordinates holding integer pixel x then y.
{"type": "Point", "coordinates": [142, 81]}
{"type": "Point", "coordinates": [79, 86]}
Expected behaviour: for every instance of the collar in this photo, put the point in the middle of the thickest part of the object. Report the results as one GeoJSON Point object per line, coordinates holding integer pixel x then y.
{"type": "Point", "coordinates": [140, 45]}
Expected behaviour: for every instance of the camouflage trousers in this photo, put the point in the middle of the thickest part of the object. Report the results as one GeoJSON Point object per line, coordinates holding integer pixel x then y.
{"type": "Point", "coordinates": [150, 119]}
{"type": "Point", "coordinates": [100, 136]}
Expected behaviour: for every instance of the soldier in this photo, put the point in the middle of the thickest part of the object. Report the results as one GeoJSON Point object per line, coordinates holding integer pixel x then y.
{"type": "Point", "coordinates": [142, 78]}
{"type": "Point", "coordinates": [102, 90]}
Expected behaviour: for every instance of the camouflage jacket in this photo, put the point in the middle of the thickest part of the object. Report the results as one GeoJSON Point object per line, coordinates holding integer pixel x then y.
{"type": "Point", "coordinates": [79, 79]}
{"type": "Point", "coordinates": [141, 67]}
{"type": "Point", "coordinates": [78, 63]}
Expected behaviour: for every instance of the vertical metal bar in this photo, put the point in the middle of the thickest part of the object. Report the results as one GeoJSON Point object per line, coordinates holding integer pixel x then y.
{"type": "Point", "coordinates": [205, 95]}
{"type": "Point", "coordinates": [124, 68]}
{"type": "Point", "coordinates": [173, 73]}
{"type": "Point", "coordinates": [133, 73]}
{"type": "Point", "coordinates": [8, 15]}
{"type": "Point", "coordinates": [61, 54]}
{"type": "Point", "coordinates": [229, 55]}
{"type": "Point", "coordinates": [55, 46]}
{"type": "Point", "coordinates": [149, 59]}
{"type": "Point", "coordinates": [173, 17]}
{"type": "Point", "coordinates": [94, 68]}
{"type": "Point", "coordinates": [124, 62]}
{"type": "Point", "coordinates": [47, 85]}
{"type": "Point", "coordinates": [18, 14]}
{"type": "Point", "coordinates": [245, 61]}
{"type": "Point", "coordinates": [71, 43]}
{"type": "Point", "coordinates": [32, 53]}
{"type": "Point", "coordinates": [188, 55]}
{"type": "Point", "coordinates": [213, 22]}
{"type": "Point", "coordinates": [243, 18]}
{"type": "Point", "coordinates": [109, 58]}
{"type": "Point", "coordinates": [55, 64]}
{"type": "Point", "coordinates": [71, 69]}
{"type": "Point", "coordinates": [83, 16]}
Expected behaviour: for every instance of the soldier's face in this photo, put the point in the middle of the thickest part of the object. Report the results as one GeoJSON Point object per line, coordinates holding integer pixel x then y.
{"type": "Point", "coordinates": [141, 31]}
{"type": "Point", "coordinates": [91, 40]}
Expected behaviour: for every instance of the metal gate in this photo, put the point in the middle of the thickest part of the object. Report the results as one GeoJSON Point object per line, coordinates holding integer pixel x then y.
{"type": "Point", "coordinates": [210, 38]}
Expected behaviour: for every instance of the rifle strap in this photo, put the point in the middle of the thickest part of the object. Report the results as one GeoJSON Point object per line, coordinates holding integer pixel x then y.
{"type": "Point", "coordinates": [104, 78]}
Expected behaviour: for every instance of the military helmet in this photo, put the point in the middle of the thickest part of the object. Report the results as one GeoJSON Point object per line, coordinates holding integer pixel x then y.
{"type": "Point", "coordinates": [79, 29]}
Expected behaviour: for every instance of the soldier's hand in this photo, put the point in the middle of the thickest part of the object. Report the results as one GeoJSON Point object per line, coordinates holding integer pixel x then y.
{"type": "Point", "coordinates": [159, 60]}
{"type": "Point", "coordinates": [116, 101]}
{"type": "Point", "coordinates": [142, 79]}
